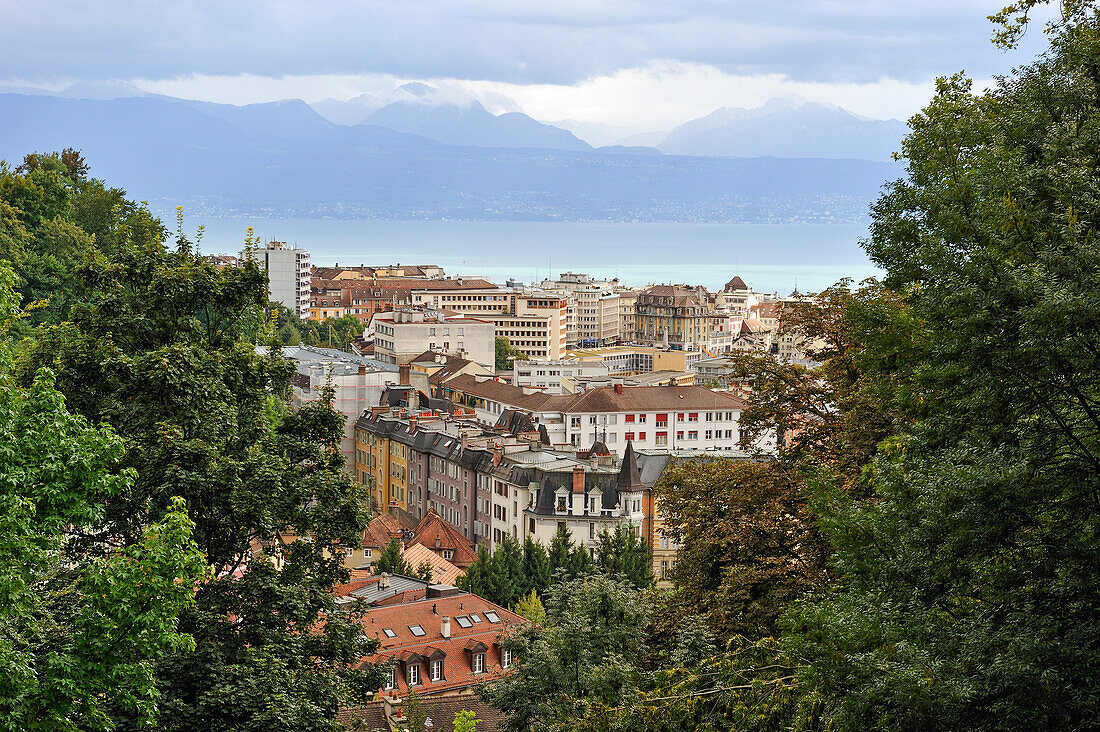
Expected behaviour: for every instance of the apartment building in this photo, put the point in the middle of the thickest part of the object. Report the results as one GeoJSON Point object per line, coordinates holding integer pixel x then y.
{"type": "Point", "coordinates": [556, 377]}
{"type": "Point", "coordinates": [674, 315]}
{"type": "Point", "coordinates": [288, 274]}
{"type": "Point", "coordinates": [358, 383]}
{"type": "Point", "coordinates": [402, 335]}
{"type": "Point", "coordinates": [632, 360]}
{"type": "Point", "coordinates": [651, 417]}
{"type": "Point", "coordinates": [533, 322]}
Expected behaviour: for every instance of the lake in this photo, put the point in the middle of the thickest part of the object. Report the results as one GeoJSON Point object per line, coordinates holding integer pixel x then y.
{"type": "Point", "coordinates": [769, 257]}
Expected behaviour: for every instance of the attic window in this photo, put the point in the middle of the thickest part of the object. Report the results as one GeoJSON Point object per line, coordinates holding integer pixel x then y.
{"type": "Point", "coordinates": [475, 617]}
{"type": "Point", "coordinates": [463, 621]}
{"type": "Point", "coordinates": [389, 632]}
{"type": "Point", "coordinates": [492, 616]}
{"type": "Point", "coordinates": [416, 630]}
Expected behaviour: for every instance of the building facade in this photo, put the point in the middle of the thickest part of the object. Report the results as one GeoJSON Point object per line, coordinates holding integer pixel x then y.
{"type": "Point", "coordinates": [288, 274]}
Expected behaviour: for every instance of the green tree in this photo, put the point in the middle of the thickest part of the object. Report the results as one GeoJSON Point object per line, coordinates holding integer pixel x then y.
{"type": "Point", "coordinates": [530, 606]}
{"type": "Point", "coordinates": [392, 560]}
{"type": "Point", "coordinates": [623, 553]}
{"type": "Point", "coordinates": [583, 654]}
{"type": "Point", "coordinates": [156, 348]}
{"type": "Point", "coordinates": [424, 571]}
{"type": "Point", "coordinates": [465, 721]}
{"type": "Point", "coordinates": [748, 544]}
{"type": "Point", "coordinates": [506, 353]}
{"type": "Point", "coordinates": [80, 632]}
{"type": "Point", "coordinates": [969, 578]}
{"type": "Point", "coordinates": [536, 567]}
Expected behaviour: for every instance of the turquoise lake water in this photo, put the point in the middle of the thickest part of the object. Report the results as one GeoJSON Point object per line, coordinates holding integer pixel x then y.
{"type": "Point", "coordinates": [770, 257]}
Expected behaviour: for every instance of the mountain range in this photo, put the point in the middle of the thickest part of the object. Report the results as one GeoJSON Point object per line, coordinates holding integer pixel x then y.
{"type": "Point", "coordinates": [450, 158]}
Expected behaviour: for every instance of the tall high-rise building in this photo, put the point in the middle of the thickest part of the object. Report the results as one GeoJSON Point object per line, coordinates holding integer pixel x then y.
{"type": "Point", "coordinates": [287, 274]}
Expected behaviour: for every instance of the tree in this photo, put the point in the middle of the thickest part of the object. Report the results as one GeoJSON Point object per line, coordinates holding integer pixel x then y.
{"type": "Point", "coordinates": [969, 578]}
{"type": "Point", "coordinates": [536, 566]}
{"type": "Point", "coordinates": [80, 632]}
{"type": "Point", "coordinates": [623, 553]}
{"type": "Point", "coordinates": [392, 560]}
{"type": "Point", "coordinates": [748, 545]}
{"type": "Point", "coordinates": [506, 353]}
{"type": "Point", "coordinates": [465, 721]}
{"type": "Point", "coordinates": [530, 606]}
{"type": "Point", "coordinates": [157, 349]}
{"type": "Point", "coordinates": [424, 571]}
{"type": "Point", "coordinates": [581, 655]}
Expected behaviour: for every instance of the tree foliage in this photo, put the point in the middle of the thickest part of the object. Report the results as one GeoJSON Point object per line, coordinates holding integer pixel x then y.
{"type": "Point", "coordinates": [79, 633]}
{"type": "Point", "coordinates": [748, 544]}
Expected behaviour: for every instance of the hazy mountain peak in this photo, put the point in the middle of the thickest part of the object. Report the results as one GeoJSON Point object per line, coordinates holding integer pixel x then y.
{"type": "Point", "coordinates": [788, 127]}
{"type": "Point", "coordinates": [101, 90]}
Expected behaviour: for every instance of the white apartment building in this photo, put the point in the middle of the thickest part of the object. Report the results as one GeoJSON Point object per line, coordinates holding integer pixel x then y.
{"type": "Point", "coordinates": [288, 274]}
{"type": "Point", "coordinates": [556, 377]}
{"type": "Point", "coordinates": [358, 383]}
{"type": "Point", "coordinates": [401, 335]}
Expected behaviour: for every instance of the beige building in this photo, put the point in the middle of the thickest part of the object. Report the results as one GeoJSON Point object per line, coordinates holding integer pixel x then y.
{"type": "Point", "coordinates": [631, 360]}
{"type": "Point", "coordinates": [674, 315]}
{"type": "Point", "coordinates": [402, 335]}
{"type": "Point", "coordinates": [533, 322]}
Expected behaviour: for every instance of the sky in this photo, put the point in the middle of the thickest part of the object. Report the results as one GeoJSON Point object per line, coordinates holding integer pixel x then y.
{"type": "Point", "coordinates": [628, 64]}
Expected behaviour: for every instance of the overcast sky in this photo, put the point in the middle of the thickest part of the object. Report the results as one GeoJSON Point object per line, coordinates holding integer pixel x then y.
{"type": "Point", "coordinates": [639, 65]}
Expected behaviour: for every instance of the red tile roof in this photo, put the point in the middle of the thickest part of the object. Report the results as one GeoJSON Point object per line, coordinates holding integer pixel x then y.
{"type": "Point", "coordinates": [457, 659]}
{"type": "Point", "coordinates": [432, 528]}
{"type": "Point", "coordinates": [443, 572]}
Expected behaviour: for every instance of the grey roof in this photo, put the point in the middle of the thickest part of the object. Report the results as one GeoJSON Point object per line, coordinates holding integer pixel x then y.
{"type": "Point", "coordinates": [397, 584]}
{"type": "Point", "coordinates": [342, 362]}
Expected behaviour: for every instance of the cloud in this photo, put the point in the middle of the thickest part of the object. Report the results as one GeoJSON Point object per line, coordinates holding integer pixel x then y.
{"type": "Point", "coordinates": [657, 96]}
{"type": "Point", "coordinates": [507, 41]}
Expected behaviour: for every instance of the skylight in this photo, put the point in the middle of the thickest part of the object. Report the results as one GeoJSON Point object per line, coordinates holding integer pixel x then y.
{"type": "Point", "coordinates": [389, 632]}
{"type": "Point", "coordinates": [463, 621]}
{"type": "Point", "coordinates": [416, 630]}
{"type": "Point", "coordinates": [492, 617]}
{"type": "Point", "coordinates": [475, 617]}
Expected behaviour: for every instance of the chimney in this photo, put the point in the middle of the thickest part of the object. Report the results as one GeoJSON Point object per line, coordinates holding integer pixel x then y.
{"type": "Point", "coordinates": [498, 453]}
{"type": "Point", "coordinates": [618, 388]}
{"type": "Point", "coordinates": [384, 581]}
{"type": "Point", "coordinates": [403, 374]}
{"type": "Point", "coordinates": [578, 479]}
{"type": "Point", "coordinates": [445, 627]}
{"type": "Point", "coordinates": [362, 369]}
{"type": "Point", "coordinates": [437, 541]}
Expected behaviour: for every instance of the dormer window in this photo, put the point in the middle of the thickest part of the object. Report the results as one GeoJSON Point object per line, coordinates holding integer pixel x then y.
{"type": "Point", "coordinates": [560, 506]}
{"type": "Point", "coordinates": [391, 681]}
{"type": "Point", "coordinates": [414, 674]}
{"type": "Point", "coordinates": [437, 671]}
{"type": "Point", "coordinates": [505, 658]}
{"type": "Point", "coordinates": [448, 553]}
{"type": "Point", "coordinates": [479, 663]}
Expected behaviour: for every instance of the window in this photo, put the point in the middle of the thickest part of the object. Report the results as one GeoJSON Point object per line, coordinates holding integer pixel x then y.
{"type": "Point", "coordinates": [437, 670]}
{"type": "Point", "coordinates": [479, 663]}
{"type": "Point", "coordinates": [368, 553]}
{"type": "Point", "coordinates": [492, 616]}
{"type": "Point", "coordinates": [389, 632]}
{"type": "Point", "coordinates": [448, 553]}
{"type": "Point", "coordinates": [629, 419]}
{"type": "Point", "coordinates": [641, 435]}
{"type": "Point", "coordinates": [560, 507]}
{"type": "Point", "coordinates": [463, 621]}
{"type": "Point", "coordinates": [629, 436]}
{"type": "Point", "coordinates": [693, 435]}
{"type": "Point", "coordinates": [693, 417]}
{"type": "Point", "coordinates": [416, 630]}
{"type": "Point", "coordinates": [641, 419]}
{"type": "Point", "coordinates": [505, 658]}
{"type": "Point", "coordinates": [414, 674]}
{"type": "Point", "coordinates": [391, 682]}
{"type": "Point", "coordinates": [348, 551]}
{"type": "Point", "coordinates": [708, 434]}
{"type": "Point", "coordinates": [475, 617]}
